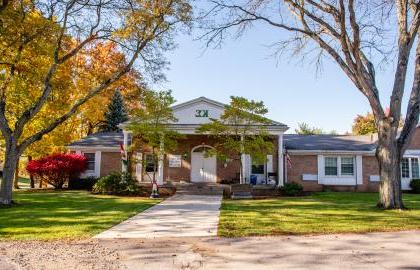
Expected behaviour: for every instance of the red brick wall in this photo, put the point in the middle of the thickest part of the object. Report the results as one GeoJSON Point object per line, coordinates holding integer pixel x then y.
{"type": "Point", "coordinates": [304, 164]}
{"type": "Point", "coordinates": [370, 167]}
{"type": "Point", "coordinates": [184, 148]}
{"type": "Point", "coordinates": [308, 164]}
{"type": "Point", "coordinates": [110, 162]}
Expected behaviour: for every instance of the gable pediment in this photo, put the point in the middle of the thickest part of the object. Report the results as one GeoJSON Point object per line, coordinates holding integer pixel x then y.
{"type": "Point", "coordinates": [197, 111]}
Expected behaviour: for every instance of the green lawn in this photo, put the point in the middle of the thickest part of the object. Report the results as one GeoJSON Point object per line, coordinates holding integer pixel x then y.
{"type": "Point", "coordinates": [321, 213]}
{"type": "Point", "coordinates": [65, 214]}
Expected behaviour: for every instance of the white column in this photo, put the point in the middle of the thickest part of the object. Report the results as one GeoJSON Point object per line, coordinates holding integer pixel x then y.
{"type": "Point", "coordinates": [98, 161]}
{"type": "Point", "coordinates": [280, 167]}
{"type": "Point", "coordinates": [243, 161]}
{"type": "Point", "coordinates": [125, 144]}
{"type": "Point", "coordinates": [139, 167]}
{"type": "Point", "coordinates": [160, 164]}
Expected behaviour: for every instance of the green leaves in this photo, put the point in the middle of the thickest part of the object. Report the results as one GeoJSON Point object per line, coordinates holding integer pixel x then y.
{"type": "Point", "coordinates": [241, 130]}
{"type": "Point", "coordinates": [150, 122]}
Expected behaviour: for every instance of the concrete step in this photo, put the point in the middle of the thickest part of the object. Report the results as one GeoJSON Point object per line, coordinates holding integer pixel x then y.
{"type": "Point", "coordinates": [200, 189]}
{"type": "Point", "coordinates": [241, 195]}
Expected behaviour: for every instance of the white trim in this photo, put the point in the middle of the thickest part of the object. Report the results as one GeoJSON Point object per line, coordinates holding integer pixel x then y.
{"type": "Point", "coordinates": [321, 167]}
{"type": "Point", "coordinates": [196, 100]}
{"type": "Point", "coordinates": [280, 160]}
{"type": "Point", "coordinates": [412, 152]}
{"type": "Point", "coordinates": [374, 178]}
{"type": "Point", "coordinates": [331, 152]}
{"type": "Point", "coordinates": [359, 170]}
{"type": "Point", "coordinates": [79, 149]}
{"type": "Point", "coordinates": [309, 177]}
{"type": "Point", "coordinates": [139, 166]}
{"type": "Point", "coordinates": [339, 179]}
{"type": "Point", "coordinates": [98, 162]}
{"type": "Point", "coordinates": [270, 164]}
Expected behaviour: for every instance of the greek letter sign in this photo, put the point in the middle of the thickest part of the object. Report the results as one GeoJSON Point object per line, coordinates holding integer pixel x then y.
{"type": "Point", "coordinates": [201, 113]}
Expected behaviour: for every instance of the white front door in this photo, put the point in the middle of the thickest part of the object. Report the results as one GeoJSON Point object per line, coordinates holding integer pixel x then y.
{"type": "Point", "coordinates": [203, 169]}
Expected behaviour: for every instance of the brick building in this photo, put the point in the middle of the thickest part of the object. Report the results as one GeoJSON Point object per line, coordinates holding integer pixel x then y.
{"type": "Point", "coordinates": [318, 162]}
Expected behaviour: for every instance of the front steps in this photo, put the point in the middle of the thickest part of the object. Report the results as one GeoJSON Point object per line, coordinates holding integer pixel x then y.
{"type": "Point", "coordinates": [207, 189]}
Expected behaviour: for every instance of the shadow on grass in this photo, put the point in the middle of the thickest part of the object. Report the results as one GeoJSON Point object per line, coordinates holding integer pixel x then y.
{"type": "Point", "coordinates": [317, 214]}
{"type": "Point", "coordinates": [65, 214]}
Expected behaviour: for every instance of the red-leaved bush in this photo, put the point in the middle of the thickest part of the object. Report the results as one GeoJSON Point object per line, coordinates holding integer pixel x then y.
{"type": "Point", "coordinates": [57, 169]}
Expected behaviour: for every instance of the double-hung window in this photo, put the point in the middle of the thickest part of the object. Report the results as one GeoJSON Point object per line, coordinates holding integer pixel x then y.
{"type": "Point", "coordinates": [410, 168]}
{"type": "Point", "coordinates": [331, 167]}
{"type": "Point", "coordinates": [347, 166]}
{"type": "Point", "coordinates": [339, 166]}
{"type": "Point", "coordinates": [90, 158]}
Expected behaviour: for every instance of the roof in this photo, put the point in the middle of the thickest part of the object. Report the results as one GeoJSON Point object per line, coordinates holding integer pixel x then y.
{"type": "Point", "coordinates": [101, 139]}
{"type": "Point", "coordinates": [329, 142]}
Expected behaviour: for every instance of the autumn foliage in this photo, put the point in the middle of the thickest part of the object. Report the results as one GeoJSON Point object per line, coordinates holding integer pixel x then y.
{"type": "Point", "coordinates": [57, 169]}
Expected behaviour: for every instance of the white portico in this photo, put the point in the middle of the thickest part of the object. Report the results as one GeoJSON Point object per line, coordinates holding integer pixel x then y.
{"type": "Point", "coordinates": [190, 163]}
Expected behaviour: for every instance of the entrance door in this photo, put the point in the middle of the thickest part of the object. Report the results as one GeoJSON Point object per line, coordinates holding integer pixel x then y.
{"type": "Point", "coordinates": [203, 169]}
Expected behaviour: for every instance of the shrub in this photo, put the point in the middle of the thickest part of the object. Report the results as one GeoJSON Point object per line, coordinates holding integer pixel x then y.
{"type": "Point", "coordinates": [57, 169]}
{"type": "Point", "coordinates": [415, 185]}
{"type": "Point", "coordinates": [82, 184]}
{"type": "Point", "coordinates": [292, 189]}
{"type": "Point", "coordinates": [117, 184]}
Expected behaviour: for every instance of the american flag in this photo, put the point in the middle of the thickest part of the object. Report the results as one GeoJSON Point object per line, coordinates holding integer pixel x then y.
{"type": "Point", "coordinates": [124, 159]}
{"type": "Point", "coordinates": [288, 160]}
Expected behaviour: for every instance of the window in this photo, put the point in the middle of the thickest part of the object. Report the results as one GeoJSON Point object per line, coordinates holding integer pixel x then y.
{"type": "Point", "coordinates": [415, 168]}
{"type": "Point", "coordinates": [150, 163]}
{"type": "Point", "coordinates": [347, 166]}
{"type": "Point", "coordinates": [90, 157]}
{"type": "Point", "coordinates": [405, 168]}
{"type": "Point", "coordinates": [331, 166]}
{"type": "Point", "coordinates": [257, 169]}
{"type": "Point", "coordinates": [410, 168]}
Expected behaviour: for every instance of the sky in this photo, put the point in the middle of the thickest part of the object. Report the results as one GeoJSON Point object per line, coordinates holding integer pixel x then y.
{"type": "Point", "coordinates": [292, 91]}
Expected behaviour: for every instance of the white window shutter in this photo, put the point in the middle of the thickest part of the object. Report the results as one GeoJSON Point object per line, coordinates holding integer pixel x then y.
{"type": "Point", "coordinates": [359, 170]}
{"type": "Point", "coordinates": [320, 168]}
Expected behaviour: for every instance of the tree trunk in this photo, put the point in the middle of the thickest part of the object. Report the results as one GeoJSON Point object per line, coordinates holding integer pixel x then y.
{"type": "Point", "coordinates": [31, 177]}
{"type": "Point", "coordinates": [389, 157]}
{"type": "Point", "coordinates": [10, 160]}
{"type": "Point", "coordinates": [16, 177]}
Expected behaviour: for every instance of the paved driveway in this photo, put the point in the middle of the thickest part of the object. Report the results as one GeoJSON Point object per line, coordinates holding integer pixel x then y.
{"type": "Point", "coordinates": [179, 216]}
{"type": "Point", "coordinates": [395, 250]}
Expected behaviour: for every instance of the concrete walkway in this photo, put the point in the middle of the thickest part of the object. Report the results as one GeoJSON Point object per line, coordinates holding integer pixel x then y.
{"type": "Point", "coordinates": [179, 216]}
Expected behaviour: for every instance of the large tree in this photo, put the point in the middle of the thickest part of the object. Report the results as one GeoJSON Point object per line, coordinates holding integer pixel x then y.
{"type": "Point", "coordinates": [354, 34]}
{"type": "Point", "coordinates": [54, 34]}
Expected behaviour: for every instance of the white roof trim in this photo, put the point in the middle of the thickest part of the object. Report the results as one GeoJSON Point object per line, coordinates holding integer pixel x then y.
{"type": "Point", "coordinates": [330, 152]}
{"type": "Point", "coordinates": [196, 100]}
{"type": "Point", "coordinates": [94, 148]}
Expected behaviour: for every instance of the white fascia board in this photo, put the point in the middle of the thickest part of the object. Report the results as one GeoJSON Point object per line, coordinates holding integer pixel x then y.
{"type": "Point", "coordinates": [94, 148]}
{"type": "Point", "coordinates": [330, 152]}
{"type": "Point", "coordinates": [191, 129]}
{"type": "Point", "coordinates": [193, 101]}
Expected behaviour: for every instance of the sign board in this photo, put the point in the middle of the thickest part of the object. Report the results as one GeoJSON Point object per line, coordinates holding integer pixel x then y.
{"type": "Point", "coordinates": [175, 161]}
{"type": "Point", "coordinates": [201, 113]}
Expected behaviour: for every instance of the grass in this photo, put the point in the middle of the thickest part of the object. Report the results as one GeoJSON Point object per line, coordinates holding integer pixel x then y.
{"type": "Point", "coordinates": [321, 213]}
{"type": "Point", "coordinates": [65, 214]}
